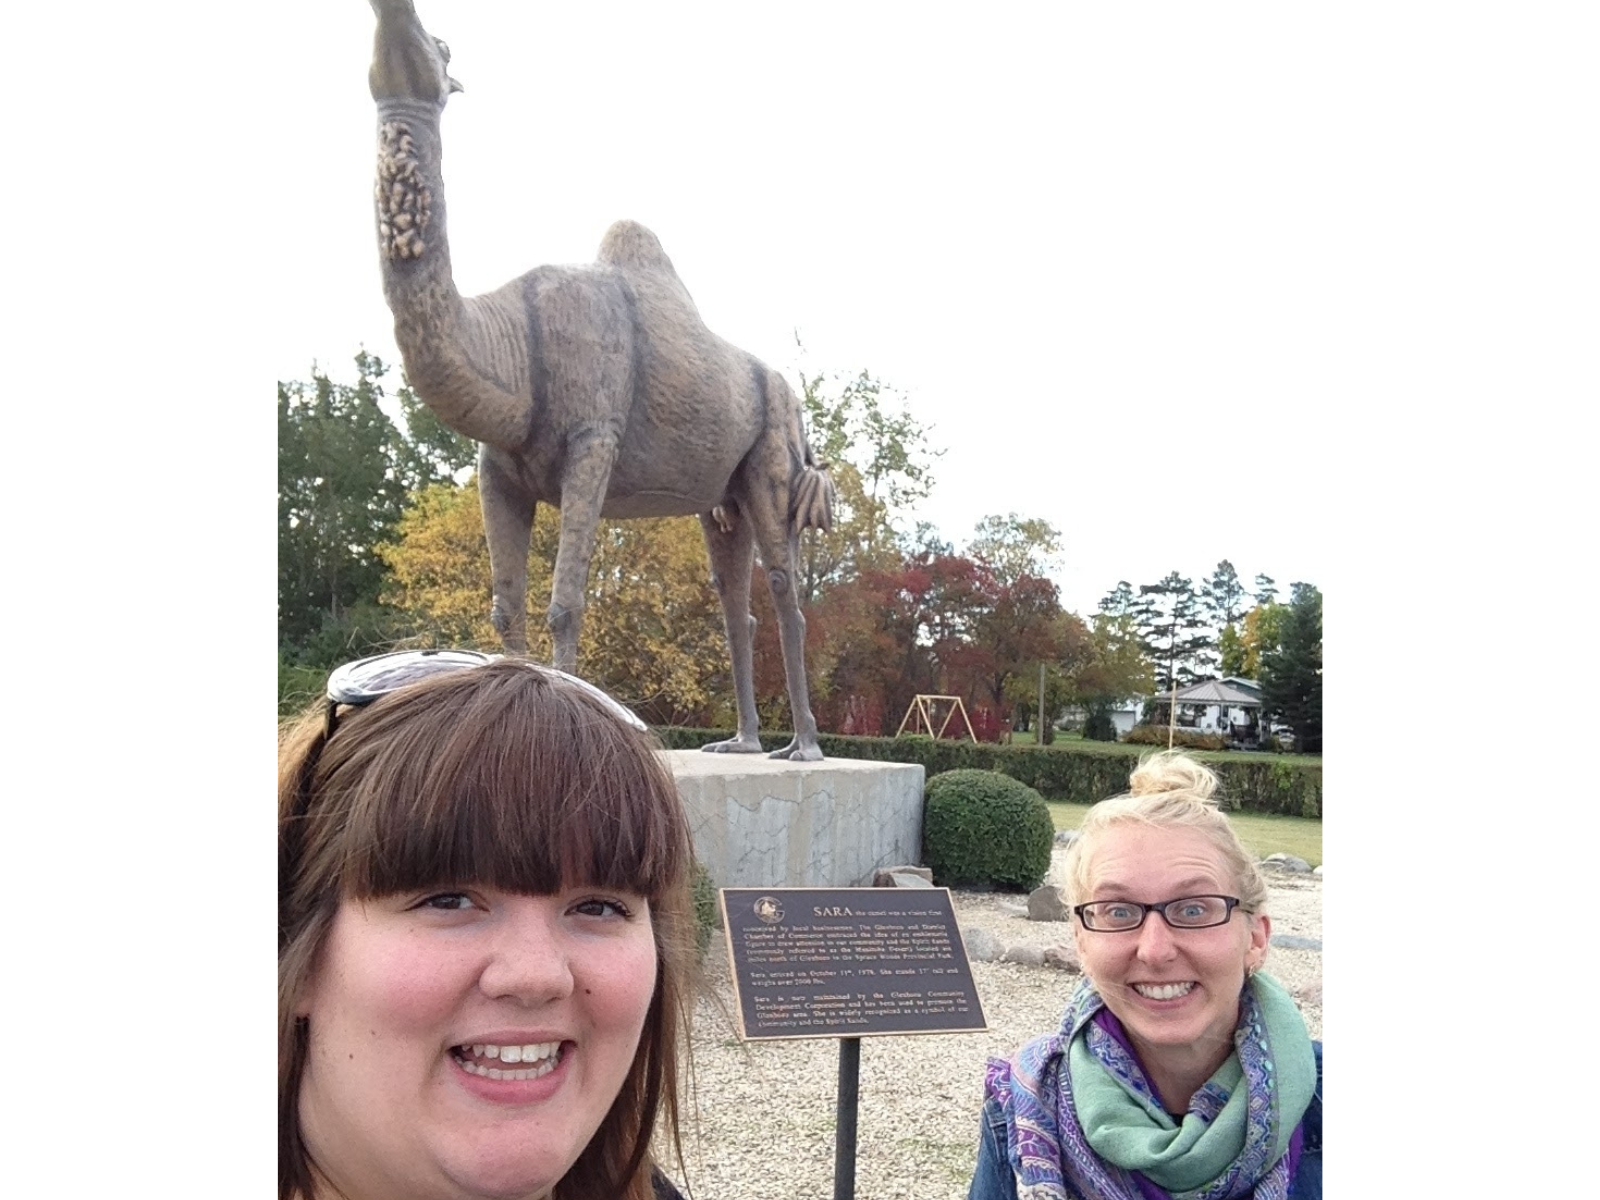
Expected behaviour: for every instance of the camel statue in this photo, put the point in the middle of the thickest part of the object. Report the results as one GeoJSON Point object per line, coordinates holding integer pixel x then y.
{"type": "Point", "coordinates": [596, 388]}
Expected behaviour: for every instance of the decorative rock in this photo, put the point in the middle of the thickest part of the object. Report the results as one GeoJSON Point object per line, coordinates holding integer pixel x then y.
{"type": "Point", "coordinates": [1290, 941]}
{"type": "Point", "coordinates": [1286, 862]}
{"type": "Point", "coordinates": [982, 946]}
{"type": "Point", "coordinates": [908, 879]}
{"type": "Point", "coordinates": [1063, 957]}
{"type": "Point", "coordinates": [1317, 870]}
{"type": "Point", "coordinates": [890, 876]}
{"type": "Point", "coordinates": [1045, 904]}
{"type": "Point", "coordinates": [1065, 837]}
{"type": "Point", "coordinates": [1028, 956]}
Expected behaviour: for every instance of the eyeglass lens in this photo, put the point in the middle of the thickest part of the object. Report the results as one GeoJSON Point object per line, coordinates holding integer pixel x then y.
{"type": "Point", "coordinates": [1189, 912]}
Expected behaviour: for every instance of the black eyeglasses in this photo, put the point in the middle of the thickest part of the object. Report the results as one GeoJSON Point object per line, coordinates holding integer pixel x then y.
{"type": "Point", "coordinates": [366, 679]}
{"type": "Point", "coordinates": [1189, 912]}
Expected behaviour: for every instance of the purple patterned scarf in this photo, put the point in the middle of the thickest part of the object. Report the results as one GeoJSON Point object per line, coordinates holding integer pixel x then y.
{"type": "Point", "coordinates": [1051, 1154]}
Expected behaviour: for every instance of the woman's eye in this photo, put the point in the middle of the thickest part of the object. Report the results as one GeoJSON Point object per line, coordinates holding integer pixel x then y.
{"type": "Point", "coordinates": [601, 906]}
{"type": "Point", "coordinates": [446, 902]}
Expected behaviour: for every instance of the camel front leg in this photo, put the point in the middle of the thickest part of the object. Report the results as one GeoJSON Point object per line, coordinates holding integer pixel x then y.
{"type": "Point", "coordinates": [583, 492]}
{"type": "Point", "coordinates": [508, 525]}
{"type": "Point", "coordinates": [732, 553]}
{"type": "Point", "coordinates": [792, 637]}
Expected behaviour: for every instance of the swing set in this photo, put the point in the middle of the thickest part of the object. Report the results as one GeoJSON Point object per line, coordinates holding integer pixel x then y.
{"type": "Point", "coordinates": [920, 716]}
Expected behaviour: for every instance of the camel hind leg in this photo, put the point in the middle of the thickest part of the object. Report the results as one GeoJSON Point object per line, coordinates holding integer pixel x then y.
{"type": "Point", "coordinates": [732, 553]}
{"type": "Point", "coordinates": [766, 507]}
{"type": "Point", "coordinates": [583, 492]}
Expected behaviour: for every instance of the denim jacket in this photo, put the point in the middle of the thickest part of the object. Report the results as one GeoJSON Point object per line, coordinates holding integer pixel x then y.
{"type": "Point", "coordinates": [994, 1179]}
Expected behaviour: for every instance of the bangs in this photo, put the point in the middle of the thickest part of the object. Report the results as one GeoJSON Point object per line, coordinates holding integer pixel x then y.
{"type": "Point", "coordinates": [507, 780]}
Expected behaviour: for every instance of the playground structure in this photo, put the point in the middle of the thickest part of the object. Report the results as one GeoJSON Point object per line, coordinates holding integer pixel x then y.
{"type": "Point", "coordinates": [922, 710]}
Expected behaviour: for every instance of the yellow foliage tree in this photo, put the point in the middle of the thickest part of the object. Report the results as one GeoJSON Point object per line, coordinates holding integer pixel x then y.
{"type": "Point", "coordinates": [652, 628]}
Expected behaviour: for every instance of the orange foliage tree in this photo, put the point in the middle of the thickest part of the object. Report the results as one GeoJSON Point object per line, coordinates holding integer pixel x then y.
{"type": "Point", "coordinates": [652, 630]}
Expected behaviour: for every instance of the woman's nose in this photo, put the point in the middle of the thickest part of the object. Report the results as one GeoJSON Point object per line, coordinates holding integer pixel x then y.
{"type": "Point", "coordinates": [1155, 939]}
{"type": "Point", "coordinates": [528, 961]}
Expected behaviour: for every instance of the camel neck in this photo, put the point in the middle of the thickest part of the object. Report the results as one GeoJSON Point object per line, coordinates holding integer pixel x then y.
{"type": "Point", "coordinates": [410, 194]}
{"type": "Point", "coordinates": [413, 250]}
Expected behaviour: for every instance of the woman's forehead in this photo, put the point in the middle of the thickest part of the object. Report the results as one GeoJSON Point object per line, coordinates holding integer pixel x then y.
{"type": "Point", "coordinates": [1171, 859]}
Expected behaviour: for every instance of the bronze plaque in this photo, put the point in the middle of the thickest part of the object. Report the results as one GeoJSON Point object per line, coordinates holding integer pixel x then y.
{"type": "Point", "coordinates": [848, 962]}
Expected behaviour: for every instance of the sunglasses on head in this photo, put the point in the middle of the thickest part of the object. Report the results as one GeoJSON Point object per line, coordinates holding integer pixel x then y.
{"type": "Point", "coordinates": [366, 679]}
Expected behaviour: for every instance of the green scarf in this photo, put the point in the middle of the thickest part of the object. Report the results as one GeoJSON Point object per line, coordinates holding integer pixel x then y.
{"type": "Point", "coordinates": [1244, 1114]}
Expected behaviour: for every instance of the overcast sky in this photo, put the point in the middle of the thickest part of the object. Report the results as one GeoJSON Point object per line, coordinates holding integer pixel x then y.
{"type": "Point", "coordinates": [1114, 264]}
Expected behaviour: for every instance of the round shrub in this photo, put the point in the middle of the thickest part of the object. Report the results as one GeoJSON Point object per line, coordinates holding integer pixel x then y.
{"type": "Point", "coordinates": [982, 827]}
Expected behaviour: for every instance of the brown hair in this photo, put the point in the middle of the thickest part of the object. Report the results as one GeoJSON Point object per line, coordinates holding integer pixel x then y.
{"type": "Point", "coordinates": [1166, 790]}
{"type": "Point", "coordinates": [506, 777]}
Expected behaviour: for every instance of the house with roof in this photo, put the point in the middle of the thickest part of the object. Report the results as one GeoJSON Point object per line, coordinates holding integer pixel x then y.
{"type": "Point", "coordinates": [1230, 707]}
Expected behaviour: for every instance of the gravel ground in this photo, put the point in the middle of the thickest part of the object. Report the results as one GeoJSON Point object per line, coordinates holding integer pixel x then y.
{"type": "Point", "coordinates": [761, 1122]}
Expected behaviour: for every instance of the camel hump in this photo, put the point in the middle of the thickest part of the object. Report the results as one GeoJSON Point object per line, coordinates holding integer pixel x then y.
{"type": "Point", "coordinates": [630, 244]}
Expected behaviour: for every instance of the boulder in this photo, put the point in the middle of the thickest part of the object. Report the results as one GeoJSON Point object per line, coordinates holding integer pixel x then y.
{"type": "Point", "coordinates": [1286, 862]}
{"type": "Point", "coordinates": [982, 946]}
{"type": "Point", "coordinates": [1045, 904]}
{"type": "Point", "coordinates": [907, 879]}
{"type": "Point", "coordinates": [1063, 957]}
{"type": "Point", "coordinates": [889, 876]}
{"type": "Point", "coordinates": [1291, 941]}
{"type": "Point", "coordinates": [1028, 956]}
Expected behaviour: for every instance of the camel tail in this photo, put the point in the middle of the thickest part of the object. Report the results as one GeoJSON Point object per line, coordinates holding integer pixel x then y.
{"type": "Point", "coordinates": [811, 496]}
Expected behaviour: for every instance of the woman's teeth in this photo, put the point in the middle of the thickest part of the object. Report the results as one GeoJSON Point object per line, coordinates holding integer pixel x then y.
{"type": "Point", "coordinates": [1163, 991]}
{"type": "Point", "coordinates": [542, 1057]}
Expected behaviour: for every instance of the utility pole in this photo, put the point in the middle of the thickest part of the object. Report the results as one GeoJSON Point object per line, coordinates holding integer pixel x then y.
{"type": "Point", "coordinates": [1040, 739]}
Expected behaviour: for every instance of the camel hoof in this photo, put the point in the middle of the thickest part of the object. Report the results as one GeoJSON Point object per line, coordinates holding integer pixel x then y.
{"type": "Point", "coordinates": [733, 746]}
{"type": "Point", "coordinates": [795, 752]}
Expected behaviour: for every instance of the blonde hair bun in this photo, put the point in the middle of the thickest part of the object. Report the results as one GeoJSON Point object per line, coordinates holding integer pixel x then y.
{"type": "Point", "coordinates": [1173, 771]}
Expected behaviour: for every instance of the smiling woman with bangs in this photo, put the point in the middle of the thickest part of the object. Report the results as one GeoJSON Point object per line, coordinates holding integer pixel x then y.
{"type": "Point", "coordinates": [1180, 1070]}
{"type": "Point", "coordinates": [485, 938]}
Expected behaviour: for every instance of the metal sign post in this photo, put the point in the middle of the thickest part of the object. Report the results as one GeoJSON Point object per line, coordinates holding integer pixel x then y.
{"type": "Point", "coordinates": [844, 1144]}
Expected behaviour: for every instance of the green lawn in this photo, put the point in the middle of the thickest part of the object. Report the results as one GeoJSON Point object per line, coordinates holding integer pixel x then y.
{"type": "Point", "coordinates": [1262, 833]}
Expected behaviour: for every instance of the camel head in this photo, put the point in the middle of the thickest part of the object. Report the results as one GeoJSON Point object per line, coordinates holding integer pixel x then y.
{"type": "Point", "coordinates": [408, 63]}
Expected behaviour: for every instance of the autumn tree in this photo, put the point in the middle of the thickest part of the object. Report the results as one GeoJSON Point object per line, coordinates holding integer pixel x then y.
{"type": "Point", "coordinates": [1013, 546]}
{"type": "Point", "coordinates": [881, 459]}
{"type": "Point", "coordinates": [652, 630]}
{"type": "Point", "coordinates": [1263, 627]}
{"type": "Point", "coordinates": [1118, 669]}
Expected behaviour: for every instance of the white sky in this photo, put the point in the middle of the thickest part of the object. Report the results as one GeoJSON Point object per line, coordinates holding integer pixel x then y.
{"type": "Point", "coordinates": [1110, 261]}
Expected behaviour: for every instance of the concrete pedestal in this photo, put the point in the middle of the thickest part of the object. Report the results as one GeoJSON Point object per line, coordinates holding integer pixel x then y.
{"type": "Point", "coordinates": [761, 822]}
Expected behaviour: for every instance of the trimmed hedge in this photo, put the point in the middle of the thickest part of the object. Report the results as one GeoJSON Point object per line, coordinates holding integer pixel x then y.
{"type": "Point", "coordinates": [1082, 772]}
{"type": "Point", "coordinates": [982, 827]}
{"type": "Point", "coordinates": [1188, 739]}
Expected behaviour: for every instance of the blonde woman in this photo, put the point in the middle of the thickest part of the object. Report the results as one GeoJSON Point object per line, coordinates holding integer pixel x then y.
{"type": "Point", "coordinates": [1180, 1068]}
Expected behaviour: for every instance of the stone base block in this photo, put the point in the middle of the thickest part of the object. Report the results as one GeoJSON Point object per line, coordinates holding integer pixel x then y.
{"type": "Point", "coordinates": [761, 822]}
